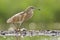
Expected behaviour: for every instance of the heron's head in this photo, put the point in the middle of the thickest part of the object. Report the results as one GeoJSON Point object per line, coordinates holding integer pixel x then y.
{"type": "Point", "coordinates": [32, 8]}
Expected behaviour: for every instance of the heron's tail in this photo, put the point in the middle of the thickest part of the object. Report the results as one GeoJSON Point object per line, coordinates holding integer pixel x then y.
{"type": "Point", "coordinates": [9, 20]}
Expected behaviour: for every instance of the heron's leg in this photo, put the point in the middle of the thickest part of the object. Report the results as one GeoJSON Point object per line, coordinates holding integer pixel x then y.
{"type": "Point", "coordinates": [15, 25]}
{"type": "Point", "coordinates": [21, 25]}
{"type": "Point", "coordinates": [16, 30]}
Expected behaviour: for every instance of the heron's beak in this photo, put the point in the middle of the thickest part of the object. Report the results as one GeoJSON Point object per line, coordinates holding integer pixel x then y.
{"type": "Point", "coordinates": [37, 9]}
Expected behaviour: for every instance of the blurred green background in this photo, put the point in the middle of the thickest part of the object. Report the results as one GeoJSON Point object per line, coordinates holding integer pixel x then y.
{"type": "Point", "coordinates": [47, 18]}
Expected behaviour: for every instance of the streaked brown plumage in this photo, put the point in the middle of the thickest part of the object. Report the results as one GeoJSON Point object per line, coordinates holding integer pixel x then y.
{"type": "Point", "coordinates": [22, 16]}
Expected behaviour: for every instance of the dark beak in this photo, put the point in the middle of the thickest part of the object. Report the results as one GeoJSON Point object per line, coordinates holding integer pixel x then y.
{"type": "Point", "coordinates": [36, 8]}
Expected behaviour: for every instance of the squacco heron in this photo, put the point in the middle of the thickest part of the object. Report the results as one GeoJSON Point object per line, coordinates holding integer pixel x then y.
{"type": "Point", "coordinates": [20, 17]}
